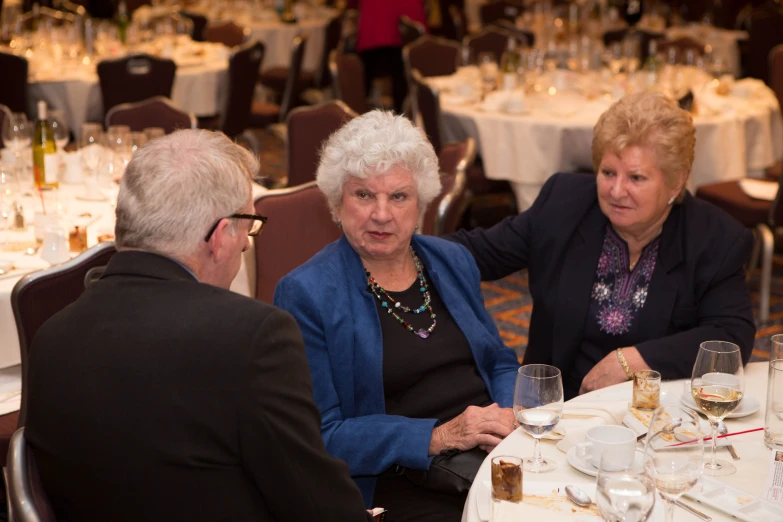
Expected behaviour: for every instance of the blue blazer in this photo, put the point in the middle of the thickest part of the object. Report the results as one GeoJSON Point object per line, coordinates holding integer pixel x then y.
{"type": "Point", "coordinates": [328, 297]}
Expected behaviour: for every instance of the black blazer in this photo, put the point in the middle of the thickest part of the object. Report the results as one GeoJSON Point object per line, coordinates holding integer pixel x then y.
{"type": "Point", "coordinates": [697, 292]}
{"type": "Point", "coordinates": [155, 397]}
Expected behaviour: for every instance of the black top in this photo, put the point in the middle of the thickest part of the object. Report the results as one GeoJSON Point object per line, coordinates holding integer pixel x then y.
{"type": "Point", "coordinates": [697, 292]}
{"type": "Point", "coordinates": [427, 378]}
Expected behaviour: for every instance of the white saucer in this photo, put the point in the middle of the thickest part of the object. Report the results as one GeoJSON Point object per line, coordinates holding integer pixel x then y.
{"type": "Point", "coordinates": [583, 465]}
{"type": "Point", "coordinates": [748, 406]}
{"type": "Point", "coordinates": [586, 467]}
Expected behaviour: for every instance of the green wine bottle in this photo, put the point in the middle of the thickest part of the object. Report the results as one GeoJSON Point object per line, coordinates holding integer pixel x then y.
{"type": "Point", "coordinates": [122, 21]}
{"type": "Point", "coordinates": [45, 159]}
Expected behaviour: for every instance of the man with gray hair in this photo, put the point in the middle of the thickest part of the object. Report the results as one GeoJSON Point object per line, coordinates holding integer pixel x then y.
{"type": "Point", "coordinates": [161, 395]}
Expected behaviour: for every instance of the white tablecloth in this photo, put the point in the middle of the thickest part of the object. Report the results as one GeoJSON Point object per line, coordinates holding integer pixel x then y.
{"type": "Point", "coordinates": [244, 283]}
{"type": "Point", "coordinates": [750, 477]}
{"type": "Point", "coordinates": [200, 87]}
{"type": "Point", "coordinates": [555, 135]}
{"type": "Point", "coordinates": [277, 38]}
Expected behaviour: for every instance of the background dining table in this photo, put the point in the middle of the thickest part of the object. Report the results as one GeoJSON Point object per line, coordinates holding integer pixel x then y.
{"type": "Point", "coordinates": [101, 219]}
{"type": "Point", "coordinates": [750, 477]}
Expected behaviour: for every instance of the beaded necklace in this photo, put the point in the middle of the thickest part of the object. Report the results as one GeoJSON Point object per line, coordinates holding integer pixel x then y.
{"type": "Point", "coordinates": [390, 304]}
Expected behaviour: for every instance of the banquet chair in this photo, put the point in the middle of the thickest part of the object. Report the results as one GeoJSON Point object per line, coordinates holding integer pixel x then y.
{"type": "Point", "coordinates": [157, 111]}
{"type": "Point", "coordinates": [308, 128]}
{"type": "Point", "coordinates": [234, 119]}
{"type": "Point", "coordinates": [527, 38]}
{"type": "Point", "coordinates": [644, 37]}
{"type": "Point", "coordinates": [432, 56]}
{"type": "Point", "coordinates": [226, 33]}
{"type": "Point", "coordinates": [266, 113]}
{"type": "Point", "coordinates": [199, 23]}
{"type": "Point", "coordinates": [5, 115]}
{"type": "Point", "coordinates": [27, 500]}
{"type": "Point", "coordinates": [490, 200]}
{"type": "Point", "coordinates": [303, 225]}
{"type": "Point", "coordinates": [410, 30]}
{"type": "Point", "coordinates": [764, 34]}
{"type": "Point", "coordinates": [38, 296]}
{"type": "Point", "coordinates": [444, 214]}
{"type": "Point", "coordinates": [13, 88]}
{"type": "Point", "coordinates": [348, 80]}
{"type": "Point", "coordinates": [459, 24]}
{"type": "Point", "coordinates": [762, 216]}
{"type": "Point", "coordinates": [135, 78]}
{"type": "Point", "coordinates": [491, 40]}
{"type": "Point", "coordinates": [275, 78]}
{"type": "Point", "coordinates": [500, 10]}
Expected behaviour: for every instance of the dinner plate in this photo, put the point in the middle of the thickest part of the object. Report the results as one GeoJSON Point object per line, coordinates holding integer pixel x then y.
{"type": "Point", "coordinates": [586, 467]}
{"type": "Point", "coordinates": [748, 406]}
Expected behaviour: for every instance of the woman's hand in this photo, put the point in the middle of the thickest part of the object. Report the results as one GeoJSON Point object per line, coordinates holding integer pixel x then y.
{"type": "Point", "coordinates": [609, 371]}
{"type": "Point", "coordinates": [475, 426]}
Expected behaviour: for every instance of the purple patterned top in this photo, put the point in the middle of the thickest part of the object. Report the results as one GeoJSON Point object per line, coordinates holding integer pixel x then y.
{"type": "Point", "coordinates": [619, 293]}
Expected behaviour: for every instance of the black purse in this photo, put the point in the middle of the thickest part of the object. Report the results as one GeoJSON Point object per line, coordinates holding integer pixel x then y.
{"type": "Point", "coordinates": [451, 472]}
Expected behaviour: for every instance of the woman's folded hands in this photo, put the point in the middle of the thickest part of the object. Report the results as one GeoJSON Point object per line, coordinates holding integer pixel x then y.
{"type": "Point", "coordinates": [476, 426]}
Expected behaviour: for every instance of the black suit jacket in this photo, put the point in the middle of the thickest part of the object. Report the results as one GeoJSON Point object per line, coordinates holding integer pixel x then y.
{"type": "Point", "coordinates": [697, 292]}
{"type": "Point", "coordinates": [156, 397]}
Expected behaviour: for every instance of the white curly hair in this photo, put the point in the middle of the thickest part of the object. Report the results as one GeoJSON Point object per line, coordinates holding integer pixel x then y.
{"type": "Point", "coordinates": [371, 145]}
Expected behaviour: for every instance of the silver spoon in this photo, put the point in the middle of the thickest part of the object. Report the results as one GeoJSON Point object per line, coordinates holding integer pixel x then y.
{"type": "Point", "coordinates": [578, 497]}
{"type": "Point", "coordinates": [31, 251]}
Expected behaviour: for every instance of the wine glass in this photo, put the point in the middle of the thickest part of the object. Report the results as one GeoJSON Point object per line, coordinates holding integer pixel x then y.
{"type": "Point", "coordinates": [488, 66]}
{"type": "Point", "coordinates": [717, 387]}
{"type": "Point", "coordinates": [676, 467]}
{"type": "Point", "coordinates": [90, 154]}
{"type": "Point", "coordinates": [627, 495]}
{"type": "Point", "coordinates": [616, 58]}
{"type": "Point", "coordinates": [60, 129]}
{"type": "Point", "coordinates": [538, 405]}
{"type": "Point", "coordinates": [631, 53]}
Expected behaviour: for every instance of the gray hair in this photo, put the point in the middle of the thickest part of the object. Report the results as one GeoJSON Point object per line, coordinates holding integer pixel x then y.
{"type": "Point", "coordinates": [373, 144]}
{"type": "Point", "coordinates": [176, 187]}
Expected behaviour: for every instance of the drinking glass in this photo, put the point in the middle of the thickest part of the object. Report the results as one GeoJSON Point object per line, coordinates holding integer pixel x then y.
{"type": "Point", "coordinates": [627, 495]}
{"type": "Point", "coordinates": [773, 417]}
{"type": "Point", "coordinates": [488, 66]}
{"type": "Point", "coordinates": [675, 468]}
{"type": "Point", "coordinates": [538, 406]}
{"type": "Point", "coordinates": [616, 58]}
{"type": "Point", "coordinates": [717, 387]}
{"type": "Point", "coordinates": [91, 153]}
{"type": "Point", "coordinates": [60, 129]}
{"type": "Point", "coordinates": [9, 187]}
{"type": "Point", "coordinates": [631, 54]}
{"type": "Point", "coordinates": [154, 132]}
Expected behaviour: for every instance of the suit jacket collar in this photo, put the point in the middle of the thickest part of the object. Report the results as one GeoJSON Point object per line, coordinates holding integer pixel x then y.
{"type": "Point", "coordinates": [579, 265]}
{"type": "Point", "coordinates": [146, 264]}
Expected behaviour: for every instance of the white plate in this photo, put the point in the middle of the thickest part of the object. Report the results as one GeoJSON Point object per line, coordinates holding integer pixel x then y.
{"type": "Point", "coordinates": [639, 427]}
{"type": "Point", "coordinates": [735, 502]}
{"type": "Point", "coordinates": [748, 406]}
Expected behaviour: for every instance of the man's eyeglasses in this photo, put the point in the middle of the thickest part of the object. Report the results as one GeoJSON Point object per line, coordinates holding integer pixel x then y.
{"type": "Point", "coordinates": [255, 228]}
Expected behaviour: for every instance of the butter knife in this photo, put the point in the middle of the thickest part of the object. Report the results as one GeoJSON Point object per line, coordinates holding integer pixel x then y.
{"type": "Point", "coordinates": [733, 452]}
{"type": "Point", "coordinates": [698, 514]}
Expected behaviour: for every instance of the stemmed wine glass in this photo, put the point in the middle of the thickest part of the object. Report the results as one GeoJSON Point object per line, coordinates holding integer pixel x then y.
{"type": "Point", "coordinates": [60, 129]}
{"type": "Point", "coordinates": [538, 405]}
{"type": "Point", "coordinates": [717, 387]}
{"type": "Point", "coordinates": [676, 449]}
{"type": "Point", "coordinates": [626, 495]}
{"type": "Point", "coordinates": [18, 136]}
{"type": "Point", "coordinates": [91, 153]}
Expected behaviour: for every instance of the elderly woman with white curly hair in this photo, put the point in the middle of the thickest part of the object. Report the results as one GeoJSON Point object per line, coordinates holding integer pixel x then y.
{"type": "Point", "coordinates": [406, 362]}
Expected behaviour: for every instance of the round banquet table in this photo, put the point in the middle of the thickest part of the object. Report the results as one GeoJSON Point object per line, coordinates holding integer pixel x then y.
{"type": "Point", "coordinates": [200, 87]}
{"type": "Point", "coordinates": [555, 135]}
{"type": "Point", "coordinates": [101, 222]}
{"type": "Point", "coordinates": [750, 477]}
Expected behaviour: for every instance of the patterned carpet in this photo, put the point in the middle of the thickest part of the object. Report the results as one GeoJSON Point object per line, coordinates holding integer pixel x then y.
{"type": "Point", "coordinates": [508, 300]}
{"type": "Point", "coordinates": [510, 304]}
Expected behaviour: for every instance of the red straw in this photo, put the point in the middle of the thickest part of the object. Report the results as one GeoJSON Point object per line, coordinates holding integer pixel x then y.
{"type": "Point", "coordinates": [40, 193]}
{"type": "Point", "coordinates": [719, 436]}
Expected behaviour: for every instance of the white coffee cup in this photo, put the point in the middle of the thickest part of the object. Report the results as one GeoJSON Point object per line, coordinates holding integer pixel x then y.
{"type": "Point", "coordinates": [619, 441]}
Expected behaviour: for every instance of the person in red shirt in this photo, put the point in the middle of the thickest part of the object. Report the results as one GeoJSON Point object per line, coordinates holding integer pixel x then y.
{"type": "Point", "coordinates": [379, 43]}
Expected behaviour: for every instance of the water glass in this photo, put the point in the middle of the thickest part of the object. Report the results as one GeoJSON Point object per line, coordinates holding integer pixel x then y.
{"type": "Point", "coordinates": [773, 418]}
{"type": "Point", "coordinates": [628, 494]}
{"type": "Point", "coordinates": [60, 129]}
{"type": "Point", "coordinates": [488, 66]}
{"type": "Point", "coordinates": [538, 406]}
